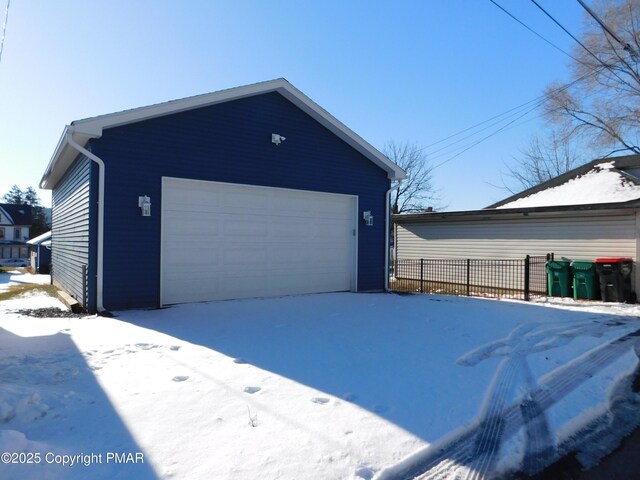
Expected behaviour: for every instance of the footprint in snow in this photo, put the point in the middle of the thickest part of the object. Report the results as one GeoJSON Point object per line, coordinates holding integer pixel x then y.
{"type": "Point", "coordinates": [239, 361]}
{"type": "Point", "coordinates": [175, 348]}
{"type": "Point", "coordinates": [146, 346]}
{"type": "Point", "coordinates": [320, 400]}
{"type": "Point", "coordinates": [350, 397]}
{"type": "Point", "coordinates": [365, 473]}
{"type": "Point", "coordinates": [252, 389]}
{"type": "Point", "coordinates": [180, 378]}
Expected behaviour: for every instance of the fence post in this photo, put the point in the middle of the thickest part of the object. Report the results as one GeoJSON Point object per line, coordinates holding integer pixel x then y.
{"type": "Point", "coordinates": [421, 275]}
{"type": "Point", "coordinates": [468, 274]}
{"type": "Point", "coordinates": [526, 277]}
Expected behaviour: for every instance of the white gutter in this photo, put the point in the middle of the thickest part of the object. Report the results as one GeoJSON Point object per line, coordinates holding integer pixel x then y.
{"type": "Point", "coordinates": [98, 160]}
{"type": "Point", "coordinates": [387, 219]}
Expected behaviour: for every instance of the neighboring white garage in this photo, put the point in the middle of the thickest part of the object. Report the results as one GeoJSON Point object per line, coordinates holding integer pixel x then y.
{"type": "Point", "coordinates": [590, 212]}
{"type": "Point", "coordinates": [223, 241]}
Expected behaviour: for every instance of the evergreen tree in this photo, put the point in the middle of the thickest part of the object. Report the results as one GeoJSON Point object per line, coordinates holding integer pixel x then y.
{"type": "Point", "coordinates": [39, 224]}
{"type": "Point", "coordinates": [14, 196]}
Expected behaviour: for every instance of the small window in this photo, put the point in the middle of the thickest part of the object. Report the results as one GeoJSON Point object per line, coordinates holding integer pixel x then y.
{"type": "Point", "coordinates": [1, 233]}
{"type": "Point", "coordinates": [17, 235]}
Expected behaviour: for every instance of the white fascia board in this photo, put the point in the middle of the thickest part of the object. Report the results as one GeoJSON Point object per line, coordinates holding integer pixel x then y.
{"type": "Point", "coordinates": [40, 238]}
{"type": "Point", "coordinates": [339, 129]}
{"type": "Point", "coordinates": [88, 128]}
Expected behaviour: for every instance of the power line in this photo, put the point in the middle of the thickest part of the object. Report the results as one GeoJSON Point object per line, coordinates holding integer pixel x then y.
{"type": "Point", "coordinates": [508, 114]}
{"type": "Point", "coordinates": [570, 34]}
{"type": "Point", "coordinates": [537, 102]}
{"type": "Point", "coordinates": [625, 45]}
{"type": "Point", "coordinates": [4, 28]}
{"type": "Point", "coordinates": [533, 31]}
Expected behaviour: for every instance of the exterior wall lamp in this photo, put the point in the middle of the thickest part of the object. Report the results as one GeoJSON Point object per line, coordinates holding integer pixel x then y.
{"type": "Point", "coordinates": [368, 218]}
{"type": "Point", "coordinates": [277, 139]}
{"type": "Point", "coordinates": [144, 203]}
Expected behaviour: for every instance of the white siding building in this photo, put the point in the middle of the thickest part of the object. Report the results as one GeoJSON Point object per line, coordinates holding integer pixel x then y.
{"type": "Point", "coordinates": [588, 213]}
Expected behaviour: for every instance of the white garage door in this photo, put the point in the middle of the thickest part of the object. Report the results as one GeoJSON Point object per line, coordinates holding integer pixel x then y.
{"type": "Point", "coordinates": [223, 241]}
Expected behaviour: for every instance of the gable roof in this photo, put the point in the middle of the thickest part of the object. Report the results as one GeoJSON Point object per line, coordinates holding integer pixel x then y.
{"type": "Point", "coordinates": [605, 185]}
{"type": "Point", "coordinates": [17, 214]}
{"type": "Point", "coordinates": [88, 128]}
{"type": "Point", "coordinates": [599, 182]}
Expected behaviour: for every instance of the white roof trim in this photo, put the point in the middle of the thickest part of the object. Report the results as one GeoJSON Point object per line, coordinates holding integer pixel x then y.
{"type": "Point", "coordinates": [83, 130]}
{"type": "Point", "coordinates": [40, 238]}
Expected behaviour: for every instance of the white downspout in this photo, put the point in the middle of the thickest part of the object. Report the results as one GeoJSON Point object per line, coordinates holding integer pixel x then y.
{"type": "Point", "coordinates": [100, 267]}
{"type": "Point", "coordinates": [387, 219]}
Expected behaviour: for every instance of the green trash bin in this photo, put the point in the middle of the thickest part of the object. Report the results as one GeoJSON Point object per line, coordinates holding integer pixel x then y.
{"type": "Point", "coordinates": [584, 280]}
{"type": "Point", "coordinates": [559, 278]}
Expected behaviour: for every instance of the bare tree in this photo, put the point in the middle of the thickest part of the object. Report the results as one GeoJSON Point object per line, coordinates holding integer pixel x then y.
{"type": "Point", "coordinates": [416, 192]}
{"type": "Point", "coordinates": [602, 97]}
{"type": "Point", "coordinates": [543, 159]}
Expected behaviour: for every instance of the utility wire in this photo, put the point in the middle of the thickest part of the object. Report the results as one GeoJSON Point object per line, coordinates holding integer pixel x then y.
{"type": "Point", "coordinates": [485, 138]}
{"type": "Point", "coordinates": [624, 44]}
{"type": "Point", "coordinates": [529, 106]}
{"type": "Point", "coordinates": [497, 119]}
{"type": "Point", "coordinates": [533, 31]}
{"type": "Point", "coordinates": [4, 28]}
{"type": "Point", "coordinates": [570, 34]}
{"type": "Point", "coordinates": [518, 112]}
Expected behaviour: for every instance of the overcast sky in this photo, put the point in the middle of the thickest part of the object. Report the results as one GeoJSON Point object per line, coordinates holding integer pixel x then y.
{"type": "Point", "coordinates": [415, 71]}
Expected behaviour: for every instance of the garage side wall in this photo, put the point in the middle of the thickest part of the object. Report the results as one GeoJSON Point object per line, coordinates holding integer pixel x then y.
{"type": "Point", "coordinates": [229, 142]}
{"type": "Point", "coordinates": [72, 223]}
{"type": "Point", "coordinates": [573, 238]}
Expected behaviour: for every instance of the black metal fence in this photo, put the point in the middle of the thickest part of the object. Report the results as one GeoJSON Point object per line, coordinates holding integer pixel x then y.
{"type": "Point", "coordinates": [518, 278]}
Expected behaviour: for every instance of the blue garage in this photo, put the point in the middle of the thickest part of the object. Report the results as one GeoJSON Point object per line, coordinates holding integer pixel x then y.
{"type": "Point", "coordinates": [248, 192]}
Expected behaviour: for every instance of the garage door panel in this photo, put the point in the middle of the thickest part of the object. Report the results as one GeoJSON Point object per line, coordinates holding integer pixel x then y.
{"type": "Point", "coordinates": [252, 226]}
{"type": "Point", "coordinates": [238, 256]}
{"type": "Point", "coordinates": [222, 241]}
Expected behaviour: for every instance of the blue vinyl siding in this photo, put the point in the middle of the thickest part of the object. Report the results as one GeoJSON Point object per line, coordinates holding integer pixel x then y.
{"type": "Point", "coordinates": [229, 142]}
{"type": "Point", "coordinates": [70, 233]}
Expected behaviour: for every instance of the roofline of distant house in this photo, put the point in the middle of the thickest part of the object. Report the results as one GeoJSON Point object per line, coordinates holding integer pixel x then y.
{"type": "Point", "coordinates": [621, 162]}
{"type": "Point", "coordinates": [88, 128]}
{"type": "Point", "coordinates": [487, 214]}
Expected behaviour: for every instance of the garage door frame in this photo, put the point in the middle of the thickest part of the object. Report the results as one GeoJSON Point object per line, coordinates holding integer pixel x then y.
{"type": "Point", "coordinates": [355, 223]}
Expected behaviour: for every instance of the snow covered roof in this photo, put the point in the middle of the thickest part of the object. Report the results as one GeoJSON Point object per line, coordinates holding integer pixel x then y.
{"type": "Point", "coordinates": [83, 130]}
{"type": "Point", "coordinates": [601, 185]}
{"type": "Point", "coordinates": [601, 182]}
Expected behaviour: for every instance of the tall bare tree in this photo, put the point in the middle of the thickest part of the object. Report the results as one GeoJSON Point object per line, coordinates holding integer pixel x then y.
{"type": "Point", "coordinates": [602, 97]}
{"type": "Point", "coordinates": [544, 158]}
{"type": "Point", "coordinates": [417, 191]}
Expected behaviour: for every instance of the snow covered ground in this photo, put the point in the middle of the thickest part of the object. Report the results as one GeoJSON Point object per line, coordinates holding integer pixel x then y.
{"type": "Point", "coordinates": [18, 277]}
{"type": "Point", "coordinates": [332, 386]}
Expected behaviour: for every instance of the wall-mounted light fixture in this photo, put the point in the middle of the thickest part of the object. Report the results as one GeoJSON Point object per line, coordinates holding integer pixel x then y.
{"type": "Point", "coordinates": [368, 218]}
{"type": "Point", "coordinates": [277, 139]}
{"type": "Point", "coordinates": [144, 203]}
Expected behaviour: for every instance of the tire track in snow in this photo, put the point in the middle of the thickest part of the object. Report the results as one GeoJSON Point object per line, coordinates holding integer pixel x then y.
{"type": "Point", "coordinates": [459, 451]}
{"type": "Point", "coordinates": [491, 428]}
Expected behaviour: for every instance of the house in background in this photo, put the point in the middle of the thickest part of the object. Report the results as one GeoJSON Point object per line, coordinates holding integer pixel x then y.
{"type": "Point", "coordinates": [586, 213]}
{"type": "Point", "coordinates": [40, 252]}
{"type": "Point", "coordinates": [247, 192]}
{"type": "Point", "coordinates": [15, 221]}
